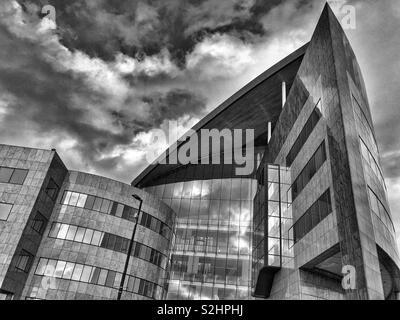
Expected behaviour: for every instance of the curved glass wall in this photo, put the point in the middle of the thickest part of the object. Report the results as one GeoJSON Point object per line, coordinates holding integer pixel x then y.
{"type": "Point", "coordinates": [212, 253]}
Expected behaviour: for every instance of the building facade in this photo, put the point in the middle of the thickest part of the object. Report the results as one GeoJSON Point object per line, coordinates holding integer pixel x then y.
{"type": "Point", "coordinates": [65, 234]}
{"type": "Point", "coordinates": [315, 208]}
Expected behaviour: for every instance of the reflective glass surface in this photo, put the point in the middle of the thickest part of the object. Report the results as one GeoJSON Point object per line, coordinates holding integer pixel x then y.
{"type": "Point", "coordinates": [212, 254]}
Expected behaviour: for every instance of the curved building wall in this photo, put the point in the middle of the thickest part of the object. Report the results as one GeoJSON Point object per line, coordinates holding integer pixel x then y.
{"type": "Point", "coordinates": [83, 251]}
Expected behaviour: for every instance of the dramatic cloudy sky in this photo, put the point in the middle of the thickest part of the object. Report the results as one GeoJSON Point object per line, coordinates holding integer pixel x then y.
{"type": "Point", "coordinates": [97, 83]}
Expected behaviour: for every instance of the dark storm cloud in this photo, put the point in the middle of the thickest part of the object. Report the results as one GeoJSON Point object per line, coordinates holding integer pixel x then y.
{"type": "Point", "coordinates": [163, 106]}
{"type": "Point", "coordinates": [103, 28]}
{"type": "Point", "coordinates": [57, 103]}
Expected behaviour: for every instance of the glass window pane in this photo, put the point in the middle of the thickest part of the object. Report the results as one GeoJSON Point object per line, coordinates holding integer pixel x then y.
{"type": "Point", "coordinates": [71, 233]}
{"type": "Point", "coordinates": [67, 197]}
{"type": "Point", "coordinates": [102, 277]}
{"type": "Point", "coordinates": [63, 231]}
{"type": "Point", "coordinates": [95, 275]}
{"type": "Point", "coordinates": [97, 204]}
{"type": "Point", "coordinates": [110, 279]}
{"type": "Point", "coordinates": [88, 236]}
{"type": "Point", "coordinates": [5, 210]}
{"type": "Point", "coordinates": [87, 270]}
{"type": "Point", "coordinates": [105, 205]}
{"type": "Point", "coordinates": [82, 200]}
{"type": "Point", "coordinates": [90, 202]}
{"type": "Point", "coordinates": [60, 269]}
{"type": "Point", "coordinates": [69, 268]}
{"type": "Point", "coordinates": [41, 266]}
{"type": "Point", "coordinates": [97, 237]}
{"type": "Point", "coordinates": [18, 176]}
{"type": "Point", "coordinates": [80, 233]}
{"type": "Point", "coordinates": [120, 210]}
{"type": "Point", "coordinates": [5, 174]}
{"type": "Point", "coordinates": [74, 199]}
{"type": "Point", "coordinates": [76, 275]}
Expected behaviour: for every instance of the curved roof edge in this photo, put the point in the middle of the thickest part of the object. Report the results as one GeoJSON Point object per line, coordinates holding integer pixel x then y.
{"type": "Point", "coordinates": [226, 104]}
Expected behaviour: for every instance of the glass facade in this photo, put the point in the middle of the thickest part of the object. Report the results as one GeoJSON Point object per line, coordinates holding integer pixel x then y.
{"type": "Point", "coordinates": [272, 241]}
{"type": "Point", "coordinates": [212, 253]}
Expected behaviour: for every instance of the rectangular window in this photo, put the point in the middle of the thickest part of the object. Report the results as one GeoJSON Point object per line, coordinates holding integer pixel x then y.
{"type": "Point", "coordinates": [304, 134]}
{"type": "Point", "coordinates": [80, 233]}
{"type": "Point", "coordinates": [313, 216]}
{"type": "Point", "coordinates": [81, 200]}
{"type": "Point", "coordinates": [97, 204]}
{"type": "Point", "coordinates": [71, 233]}
{"type": "Point", "coordinates": [39, 223]}
{"type": "Point", "coordinates": [68, 270]}
{"type": "Point", "coordinates": [90, 202]}
{"type": "Point", "coordinates": [5, 174]}
{"type": "Point", "coordinates": [309, 171]}
{"type": "Point", "coordinates": [76, 275]}
{"type": "Point", "coordinates": [52, 189]}
{"type": "Point", "coordinates": [5, 209]}
{"type": "Point", "coordinates": [24, 261]}
{"type": "Point", "coordinates": [110, 279]}
{"type": "Point", "coordinates": [87, 270]}
{"type": "Point", "coordinates": [74, 199]}
{"type": "Point", "coordinates": [88, 236]}
{"type": "Point", "coordinates": [14, 176]}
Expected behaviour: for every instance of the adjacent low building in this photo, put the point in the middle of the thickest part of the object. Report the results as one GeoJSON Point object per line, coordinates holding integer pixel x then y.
{"type": "Point", "coordinates": [65, 234]}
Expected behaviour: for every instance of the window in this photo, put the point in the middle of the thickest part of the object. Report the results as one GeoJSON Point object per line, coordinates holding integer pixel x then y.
{"type": "Point", "coordinates": [95, 275]}
{"type": "Point", "coordinates": [39, 223]}
{"type": "Point", "coordinates": [309, 171]}
{"type": "Point", "coordinates": [116, 209]}
{"type": "Point", "coordinates": [12, 175]}
{"type": "Point", "coordinates": [5, 174]}
{"type": "Point", "coordinates": [304, 134]}
{"type": "Point", "coordinates": [313, 216]}
{"type": "Point", "coordinates": [5, 209]}
{"type": "Point", "coordinates": [24, 261]}
{"type": "Point", "coordinates": [52, 189]}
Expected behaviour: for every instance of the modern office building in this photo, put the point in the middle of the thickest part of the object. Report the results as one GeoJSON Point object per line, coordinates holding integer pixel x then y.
{"type": "Point", "coordinates": [65, 234]}
{"type": "Point", "coordinates": [312, 209]}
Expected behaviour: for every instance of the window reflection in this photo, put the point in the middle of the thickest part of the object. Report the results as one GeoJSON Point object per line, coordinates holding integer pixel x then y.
{"type": "Point", "coordinates": [213, 244]}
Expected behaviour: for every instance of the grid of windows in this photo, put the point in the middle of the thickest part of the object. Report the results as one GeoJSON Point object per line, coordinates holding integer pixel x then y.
{"type": "Point", "coordinates": [107, 241]}
{"type": "Point", "coordinates": [379, 209]}
{"type": "Point", "coordinates": [311, 168]}
{"type": "Point", "coordinates": [24, 261]}
{"type": "Point", "coordinates": [39, 223]}
{"type": "Point", "coordinates": [12, 175]}
{"type": "Point", "coordinates": [114, 208]}
{"type": "Point", "coordinates": [314, 215]}
{"type": "Point", "coordinates": [98, 276]}
{"type": "Point", "coordinates": [371, 162]}
{"type": "Point", "coordinates": [304, 134]}
{"type": "Point", "coordinates": [5, 209]}
{"type": "Point", "coordinates": [212, 252]}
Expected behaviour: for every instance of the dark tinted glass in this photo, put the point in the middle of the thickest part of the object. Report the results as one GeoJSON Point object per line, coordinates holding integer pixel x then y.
{"type": "Point", "coordinates": [5, 174]}
{"type": "Point", "coordinates": [18, 176]}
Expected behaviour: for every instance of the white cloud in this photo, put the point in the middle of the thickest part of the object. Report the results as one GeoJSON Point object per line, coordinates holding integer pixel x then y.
{"type": "Point", "coordinates": [219, 56]}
